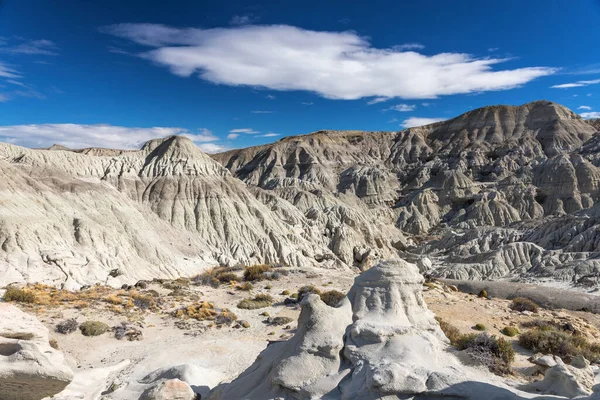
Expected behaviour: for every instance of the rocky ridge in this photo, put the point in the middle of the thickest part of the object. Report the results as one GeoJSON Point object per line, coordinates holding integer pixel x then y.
{"type": "Point", "coordinates": [498, 192]}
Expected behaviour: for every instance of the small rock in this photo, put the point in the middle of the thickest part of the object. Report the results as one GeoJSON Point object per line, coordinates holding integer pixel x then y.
{"type": "Point", "coordinates": [172, 389]}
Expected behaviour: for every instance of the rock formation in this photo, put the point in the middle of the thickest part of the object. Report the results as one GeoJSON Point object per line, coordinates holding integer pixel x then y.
{"type": "Point", "coordinates": [30, 369]}
{"type": "Point", "coordinates": [498, 192]}
{"type": "Point", "coordinates": [381, 342]}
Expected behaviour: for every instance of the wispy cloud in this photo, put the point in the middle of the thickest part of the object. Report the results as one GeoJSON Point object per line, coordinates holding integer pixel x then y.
{"type": "Point", "coordinates": [377, 100]}
{"type": "Point", "coordinates": [243, 19]}
{"type": "Point", "coordinates": [247, 131]}
{"type": "Point", "coordinates": [270, 134]}
{"type": "Point", "coordinates": [32, 47]}
{"type": "Point", "coordinates": [401, 108]}
{"type": "Point", "coordinates": [590, 115]}
{"type": "Point", "coordinates": [576, 84]}
{"type": "Point", "coordinates": [584, 108]}
{"type": "Point", "coordinates": [493, 49]}
{"type": "Point", "coordinates": [111, 136]}
{"type": "Point", "coordinates": [233, 136]}
{"type": "Point", "coordinates": [271, 97]}
{"type": "Point", "coordinates": [3, 98]}
{"type": "Point", "coordinates": [274, 57]}
{"type": "Point", "coordinates": [307, 103]}
{"type": "Point", "coordinates": [419, 121]}
{"type": "Point", "coordinates": [262, 112]}
{"type": "Point", "coordinates": [8, 72]}
{"type": "Point", "coordinates": [408, 46]}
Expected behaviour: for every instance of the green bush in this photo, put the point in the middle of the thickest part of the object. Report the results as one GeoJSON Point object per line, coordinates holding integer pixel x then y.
{"type": "Point", "coordinates": [451, 332]}
{"type": "Point", "coordinates": [510, 331]}
{"type": "Point", "coordinates": [332, 297]}
{"type": "Point", "coordinates": [551, 340]}
{"type": "Point", "coordinates": [226, 277]}
{"type": "Point", "coordinates": [19, 295]}
{"type": "Point", "coordinates": [93, 328]}
{"type": "Point", "coordinates": [259, 301]}
{"type": "Point", "coordinates": [479, 327]}
{"type": "Point", "coordinates": [483, 294]}
{"type": "Point", "coordinates": [524, 304]}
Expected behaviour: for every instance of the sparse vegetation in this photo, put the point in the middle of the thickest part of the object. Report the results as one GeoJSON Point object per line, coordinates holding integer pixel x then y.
{"type": "Point", "coordinates": [53, 343]}
{"type": "Point", "coordinates": [246, 286]}
{"type": "Point", "coordinates": [479, 327]}
{"type": "Point", "coordinates": [550, 339]}
{"type": "Point", "coordinates": [67, 326]}
{"type": "Point", "coordinates": [245, 324]}
{"type": "Point", "coordinates": [308, 289]}
{"type": "Point", "coordinates": [429, 285]}
{"type": "Point", "coordinates": [483, 294]}
{"type": "Point", "coordinates": [280, 321]}
{"type": "Point", "coordinates": [524, 304]}
{"type": "Point", "coordinates": [259, 301]}
{"type": "Point", "coordinates": [93, 328]}
{"type": "Point", "coordinates": [285, 293]}
{"type": "Point", "coordinates": [256, 272]}
{"type": "Point", "coordinates": [20, 295]}
{"type": "Point", "coordinates": [332, 297]}
{"type": "Point", "coordinates": [510, 331]}
{"type": "Point", "coordinates": [496, 354]}
{"type": "Point", "coordinates": [128, 331]}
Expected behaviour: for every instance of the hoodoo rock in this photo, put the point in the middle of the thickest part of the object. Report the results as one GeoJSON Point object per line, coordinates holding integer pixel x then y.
{"type": "Point", "coordinates": [381, 342]}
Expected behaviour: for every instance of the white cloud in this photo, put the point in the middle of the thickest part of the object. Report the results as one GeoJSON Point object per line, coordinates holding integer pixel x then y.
{"type": "Point", "coordinates": [248, 131]}
{"type": "Point", "coordinates": [419, 121]}
{"type": "Point", "coordinates": [243, 19]}
{"type": "Point", "coordinates": [425, 104]}
{"type": "Point", "coordinates": [584, 108]}
{"type": "Point", "coordinates": [33, 47]}
{"type": "Point", "coordinates": [8, 72]}
{"type": "Point", "coordinates": [270, 134]}
{"type": "Point", "coordinates": [576, 84]}
{"type": "Point", "coordinates": [212, 147]}
{"type": "Point", "coordinates": [233, 136]}
{"type": "Point", "coordinates": [401, 108]}
{"type": "Point", "coordinates": [262, 112]}
{"type": "Point", "coordinates": [271, 97]}
{"type": "Point", "coordinates": [79, 136]}
{"type": "Point", "coordinates": [590, 115]}
{"type": "Point", "coordinates": [275, 57]}
{"type": "Point", "coordinates": [493, 49]}
{"type": "Point", "coordinates": [409, 46]}
{"type": "Point", "coordinates": [377, 100]}
{"type": "Point", "coordinates": [307, 103]}
{"type": "Point", "coordinates": [13, 82]}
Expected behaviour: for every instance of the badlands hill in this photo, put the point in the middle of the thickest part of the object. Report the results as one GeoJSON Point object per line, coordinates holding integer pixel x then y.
{"type": "Point", "coordinates": [498, 192]}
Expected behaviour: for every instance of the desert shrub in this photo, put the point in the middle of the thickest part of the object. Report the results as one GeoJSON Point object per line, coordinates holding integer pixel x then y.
{"type": "Point", "coordinates": [93, 328]}
{"type": "Point", "coordinates": [496, 354]}
{"type": "Point", "coordinates": [246, 286]}
{"type": "Point", "coordinates": [429, 285]}
{"type": "Point", "coordinates": [245, 324]}
{"type": "Point", "coordinates": [179, 283]}
{"type": "Point", "coordinates": [510, 331]}
{"type": "Point", "coordinates": [285, 293]}
{"type": "Point", "coordinates": [483, 294]}
{"type": "Point", "coordinates": [144, 301]}
{"type": "Point", "coordinates": [227, 277]}
{"type": "Point", "coordinates": [551, 340]}
{"type": "Point", "coordinates": [479, 327]}
{"type": "Point", "coordinates": [67, 326]}
{"type": "Point", "coordinates": [256, 272]}
{"type": "Point", "coordinates": [308, 289]}
{"type": "Point", "coordinates": [332, 297]}
{"type": "Point", "coordinates": [523, 304]}
{"type": "Point", "coordinates": [53, 343]}
{"type": "Point", "coordinates": [280, 320]}
{"type": "Point", "coordinates": [113, 299]}
{"type": "Point", "coordinates": [225, 317]}
{"type": "Point", "coordinates": [259, 301]}
{"type": "Point", "coordinates": [451, 332]}
{"type": "Point", "coordinates": [20, 295]}
{"type": "Point", "coordinates": [127, 331]}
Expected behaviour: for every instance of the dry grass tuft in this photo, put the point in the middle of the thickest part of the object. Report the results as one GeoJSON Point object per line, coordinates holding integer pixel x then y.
{"type": "Point", "coordinates": [256, 272]}
{"type": "Point", "coordinates": [332, 297]}
{"type": "Point", "coordinates": [259, 301]}
{"type": "Point", "coordinates": [523, 304]}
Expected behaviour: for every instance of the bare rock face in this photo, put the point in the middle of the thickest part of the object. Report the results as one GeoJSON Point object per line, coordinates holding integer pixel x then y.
{"type": "Point", "coordinates": [500, 191]}
{"type": "Point", "coordinates": [29, 368]}
{"type": "Point", "coordinates": [570, 381]}
{"type": "Point", "coordinates": [382, 342]}
{"type": "Point", "coordinates": [171, 389]}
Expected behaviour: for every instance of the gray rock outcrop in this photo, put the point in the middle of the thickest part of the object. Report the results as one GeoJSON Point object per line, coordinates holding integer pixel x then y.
{"type": "Point", "coordinates": [30, 369]}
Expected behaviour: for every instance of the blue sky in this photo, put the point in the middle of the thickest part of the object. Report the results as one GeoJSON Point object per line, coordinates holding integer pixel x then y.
{"type": "Point", "coordinates": [238, 73]}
